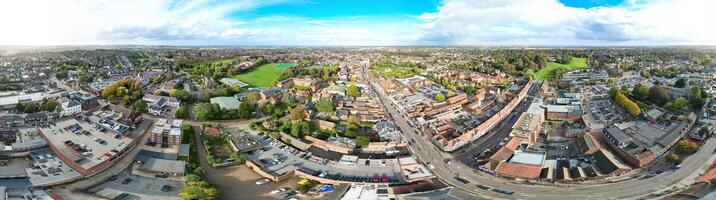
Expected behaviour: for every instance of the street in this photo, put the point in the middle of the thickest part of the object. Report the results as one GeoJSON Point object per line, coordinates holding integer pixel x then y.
{"type": "Point", "coordinates": [629, 189]}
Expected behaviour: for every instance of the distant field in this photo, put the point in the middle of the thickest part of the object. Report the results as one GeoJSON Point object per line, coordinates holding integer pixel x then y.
{"type": "Point", "coordinates": [390, 70]}
{"type": "Point", "coordinates": [264, 75]}
{"type": "Point", "coordinates": [553, 69]}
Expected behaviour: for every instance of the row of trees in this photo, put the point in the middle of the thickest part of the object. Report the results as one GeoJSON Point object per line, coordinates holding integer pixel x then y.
{"type": "Point", "coordinates": [623, 101]}
{"type": "Point", "coordinates": [48, 105]}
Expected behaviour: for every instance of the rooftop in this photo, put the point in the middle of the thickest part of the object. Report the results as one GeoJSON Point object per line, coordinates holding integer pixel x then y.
{"type": "Point", "coordinates": [228, 103]}
{"type": "Point", "coordinates": [87, 151]}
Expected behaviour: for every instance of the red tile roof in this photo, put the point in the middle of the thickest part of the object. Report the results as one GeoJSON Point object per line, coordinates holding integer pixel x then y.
{"type": "Point", "coordinates": [518, 170]}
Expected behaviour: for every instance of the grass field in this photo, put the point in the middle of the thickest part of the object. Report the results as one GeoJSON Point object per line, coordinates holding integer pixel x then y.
{"type": "Point", "coordinates": [264, 75]}
{"type": "Point", "coordinates": [553, 69]}
{"type": "Point", "coordinates": [390, 70]}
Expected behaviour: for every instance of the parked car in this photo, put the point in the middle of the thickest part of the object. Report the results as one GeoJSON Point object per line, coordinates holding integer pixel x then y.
{"type": "Point", "coordinates": [262, 181]}
{"type": "Point", "coordinates": [121, 196]}
{"type": "Point", "coordinates": [113, 178]}
{"type": "Point", "coordinates": [126, 181]}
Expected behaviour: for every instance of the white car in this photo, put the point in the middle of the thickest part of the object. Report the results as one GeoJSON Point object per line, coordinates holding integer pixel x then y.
{"type": "Point", "coordinates": [262, 181]}
{"type": "Point", "coordinates": [278, 191]}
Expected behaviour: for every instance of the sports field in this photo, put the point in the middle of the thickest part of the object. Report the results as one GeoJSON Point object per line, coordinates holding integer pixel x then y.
{"type": "Point", "coordinates": [264, 75]}
{"type": "Point", "coordinates": [554, 70]}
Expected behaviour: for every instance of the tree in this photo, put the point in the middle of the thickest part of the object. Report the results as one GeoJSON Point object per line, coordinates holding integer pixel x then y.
{"type": "Point", "coordinates": [246, 110]}
{"type": "Point", "coordinates": [200, 190]}
{"type": "Point", "coordinates": [640, 92]}
{"type": "Point", "coordinates": [672, 157]}
{"type": "Point", "coordinates": [440, 97]}
{"type": "Point", "coordinates": [680, 83]}
{"type": "Point", "coordinates": [679, 103]}
{"type": "Point", "coordinates": [182, 95]}
{"type": "Point", "coordinates": [289, 99]}
{"type": "Point", "coordinates": [50, 105]}
{"type": "Point", "coordinates": [253, 97]}
{"type": "Point", "coordinates": [120, 92]}
{"type": "Point", "coordinates": [297, 113]}
{"type": "Point", "coordinates": [451, 94]}
{"type": "Point", "coordinates": [629, 105]}
{"type": "Point", "coordinates": [658, 95]}
{"type": "Point", "coordinates": [239, 158]}
{"type": "Point", "coordinates": [140, 106]}
{"type": "Point", "coordinates": [686, 146]}
{"type": "Point", "coordinates": [613, 91]}
{"type": "Point", "coordinates": [362, 141]}
{"type": "Point", "coordinates": [30, 108]}
{"type": "Point", "coordinates": [353, 91]}
{"type": "Point", "coordinates": [205, 111]}
{"type": "Point", "coordinates": [325, 105]}
{"type": "Point", "coordinates": [182, 112]}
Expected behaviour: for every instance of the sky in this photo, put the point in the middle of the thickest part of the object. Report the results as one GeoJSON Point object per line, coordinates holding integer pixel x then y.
{"type": "Point", "coordinates": [358, 22]}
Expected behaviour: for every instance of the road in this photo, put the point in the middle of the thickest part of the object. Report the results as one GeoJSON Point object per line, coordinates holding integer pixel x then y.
{"type": "Point", "coordinates": [628, 189]}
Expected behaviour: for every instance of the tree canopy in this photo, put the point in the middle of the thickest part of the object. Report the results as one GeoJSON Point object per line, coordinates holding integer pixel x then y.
{"type": "Point", "coordinates": [658, 95]}
{"type": "Point", "coordinates": [353, 91]}
{"type": "Point", "coordinates": [325, 105]}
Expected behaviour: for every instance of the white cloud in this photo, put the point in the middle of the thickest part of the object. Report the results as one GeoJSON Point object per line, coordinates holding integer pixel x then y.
{"type": "Point", "coordinates": [548, 22]}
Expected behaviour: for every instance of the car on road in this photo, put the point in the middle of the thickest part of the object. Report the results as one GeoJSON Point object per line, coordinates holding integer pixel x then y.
{"type": "Point", "coordinates": [165, 188]}
{"type": "Point", "coordinates": [262, 181]}
{"type": "Point", "coordinates": [462, 180]}
{"type": "Point", "coordinates": [113, 178]}
{"type": "Point", "coordinates": [503, 191]}
{"type": "Point", "coordinates": [483, 187]}
{"type": "Point", "coordinates": [126, 181]}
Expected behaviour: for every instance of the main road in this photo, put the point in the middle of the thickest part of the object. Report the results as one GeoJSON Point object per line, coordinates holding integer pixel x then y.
{"type": "Point", "coordinates": [628, 189]}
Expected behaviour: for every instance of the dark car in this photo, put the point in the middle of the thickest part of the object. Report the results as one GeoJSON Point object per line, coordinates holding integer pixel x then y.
{"type": "Point", "coordinates": [483, 187]}
{"type": "Point", "coordinates": [113, 178]}
{"type": "Point", "coordinates": [503, 191]}
{"type": "Point", "coordinates": [165, 188]}
{"type": "Point", "coordinates": [126, 181]}
{"type": "Point", "coordinates": [121, 196]}
{"type": "Point", "coordinates": [462, 180]}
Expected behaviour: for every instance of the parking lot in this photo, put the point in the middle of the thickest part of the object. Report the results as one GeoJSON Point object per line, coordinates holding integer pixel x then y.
{"type": "Point", "coordinates": [277, 158]}
{"type": "Point", "coordinates": [139, 187]}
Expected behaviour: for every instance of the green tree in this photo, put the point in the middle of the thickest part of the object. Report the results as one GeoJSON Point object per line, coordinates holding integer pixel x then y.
{"type": "Point", "coordinates": [353, 91]}
{"type": "Point", "coordinates": [253, 97]}
{"type": "Point", "coordinates": [440, 97]}
{"type": "Point", "coordinates": [182, 95]}
{"type": "Point", "coordinates": [30, 108]}
{"type": "Point", "coordinates": [325, 105]}
{"type": "Point", "coordinates": [680, 83]}
{"type": "Point", "coordinates": [640, 92]}
{"type": "Point", "coordinates": [613, 91]}
{"type": "Point", "coordinates": [50, 105]}
{"type": "Point", "coordinates": [362, 141]}
{"type": "Point", "coordinates": [182, 112]}
{"type": "Point", "coordinates": [139, 106]}
{"type": "Point", "coordinates": [686, 146]}
{"type": "Point", "coordinates": [679, 103]}
{"type": "Point", "coordinates": [246, 110]}
{"type": "Point", "coordinates": [289, 99]}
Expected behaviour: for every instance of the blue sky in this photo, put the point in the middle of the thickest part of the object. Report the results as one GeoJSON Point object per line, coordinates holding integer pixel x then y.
{"type": "Point", "coordinates": [358, 22]}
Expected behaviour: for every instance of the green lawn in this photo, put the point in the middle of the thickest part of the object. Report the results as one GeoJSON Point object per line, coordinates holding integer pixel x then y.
{"type": "Point", "coordinates": [264, 75]}
{"type": "Point", "coordinates": [553, 69]}
{"type": "Point", "coordinates": [390, 70]}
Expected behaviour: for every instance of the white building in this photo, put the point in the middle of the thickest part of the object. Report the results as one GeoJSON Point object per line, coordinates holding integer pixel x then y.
{"type": "Point", "coordinates": [69, 107]}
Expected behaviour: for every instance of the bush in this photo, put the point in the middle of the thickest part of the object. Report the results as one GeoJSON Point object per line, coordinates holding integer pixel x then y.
{"type": "Point", "coordinates": [362, 141]}
{"type": "Point", "coordinates": [672, 157]}
{"type": "Point", "coordinates": [686, 146]}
